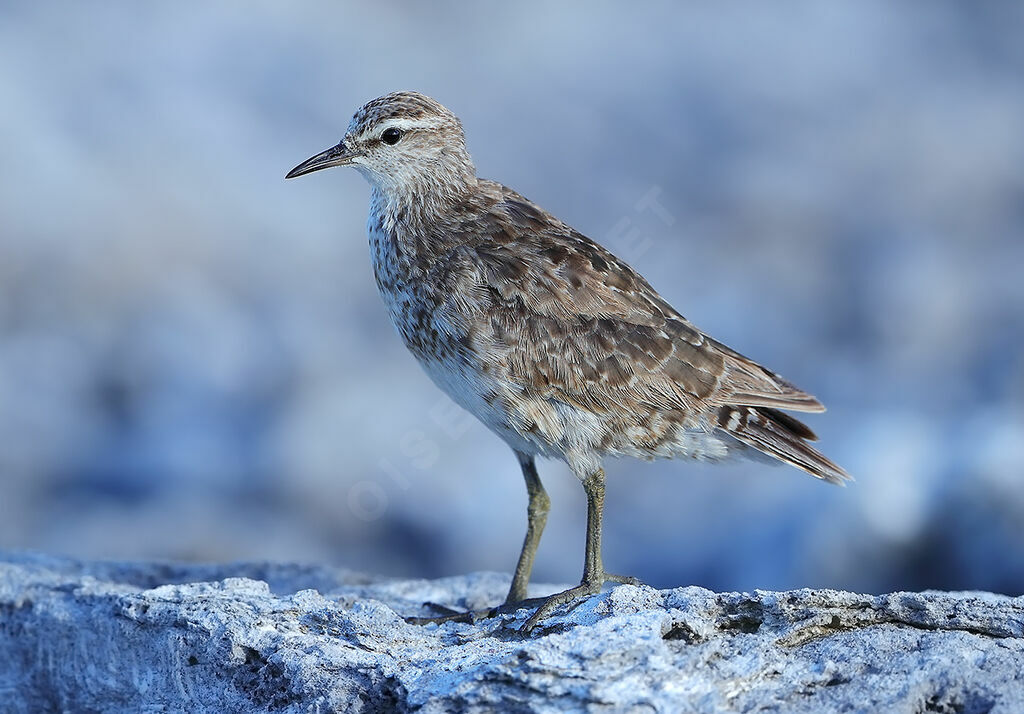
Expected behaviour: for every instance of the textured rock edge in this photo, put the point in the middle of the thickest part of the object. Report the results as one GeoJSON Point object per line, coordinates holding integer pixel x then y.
{"type": "Point", "coordinates": [287, 638]}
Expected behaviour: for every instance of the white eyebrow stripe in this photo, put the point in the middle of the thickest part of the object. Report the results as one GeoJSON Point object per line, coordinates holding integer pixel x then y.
{"type": "Point", "coordinates": [401, 123]}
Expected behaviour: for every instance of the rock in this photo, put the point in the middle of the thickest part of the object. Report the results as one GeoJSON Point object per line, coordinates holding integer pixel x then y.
{"type": "Point", "coordinates": [130, 637]}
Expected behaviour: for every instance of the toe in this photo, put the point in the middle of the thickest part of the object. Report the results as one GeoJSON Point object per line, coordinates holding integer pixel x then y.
{"type": "Point", "coordinates": [622, 579]}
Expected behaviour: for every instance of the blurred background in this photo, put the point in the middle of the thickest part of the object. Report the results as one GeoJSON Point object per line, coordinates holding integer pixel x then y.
{"type": "Point", "coordinates": [195, 363]}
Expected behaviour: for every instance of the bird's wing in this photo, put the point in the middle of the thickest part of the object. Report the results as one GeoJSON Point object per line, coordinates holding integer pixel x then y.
{"type": "Point", "coordinates": [582, 325]}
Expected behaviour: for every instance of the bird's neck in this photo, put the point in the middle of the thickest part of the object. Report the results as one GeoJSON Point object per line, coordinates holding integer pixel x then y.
{"type": "Point", "coordinates": [416, 209]}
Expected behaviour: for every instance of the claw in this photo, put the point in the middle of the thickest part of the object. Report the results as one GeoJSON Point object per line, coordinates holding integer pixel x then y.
{"type": "Point", "coordinates": [467, 616]}
{"type": "Point", "coordinates": [584, 589]}
{"type": "Point", "coordinates": [472, 616]}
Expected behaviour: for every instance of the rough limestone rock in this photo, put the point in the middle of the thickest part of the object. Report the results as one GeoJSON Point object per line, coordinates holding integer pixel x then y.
{"type": "Point", "coordinates": [118, 637]}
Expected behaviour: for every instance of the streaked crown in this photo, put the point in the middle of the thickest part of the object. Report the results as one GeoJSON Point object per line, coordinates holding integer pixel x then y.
{"type": "Point", "coordinates": [409, 147]}
{"type": "Point", "coordinates": [408, 111]}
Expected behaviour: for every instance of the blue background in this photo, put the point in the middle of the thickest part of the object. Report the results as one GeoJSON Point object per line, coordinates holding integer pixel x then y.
{"type": "Point", "coordinates": [194, 362]}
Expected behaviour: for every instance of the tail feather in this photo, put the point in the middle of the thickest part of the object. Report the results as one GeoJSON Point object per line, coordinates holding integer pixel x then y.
{"type": "Point", "coordinates": [782, 437]}
{"type": "Point", "coordinates": [792, 424]}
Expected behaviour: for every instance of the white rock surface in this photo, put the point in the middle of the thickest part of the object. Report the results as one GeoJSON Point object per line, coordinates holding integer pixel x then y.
{"type": "Point", "coordinates": [145, 637]}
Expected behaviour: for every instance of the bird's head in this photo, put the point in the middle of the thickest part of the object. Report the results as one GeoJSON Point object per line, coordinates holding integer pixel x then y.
{"type": "Point", "coordinates": [403, 143]}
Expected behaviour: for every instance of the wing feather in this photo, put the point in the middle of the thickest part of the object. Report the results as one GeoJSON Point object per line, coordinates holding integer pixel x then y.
{"type": "Point", "coordinates": [592, 322]}
{"type": "Point", "coordinates": [577, 325]}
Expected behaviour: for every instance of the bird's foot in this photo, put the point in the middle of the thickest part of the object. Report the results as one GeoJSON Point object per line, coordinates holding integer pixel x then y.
{"type": "Point", "coordinates": [451, 615]}
{"type": "Point", "coordinates": [471, 616]}
{"type": "Point", "coordinates": [544, 605]}
{"type": "Point", "coordinates": [588, 587]}
{"type": "Point", "coordinates": [622, 579]}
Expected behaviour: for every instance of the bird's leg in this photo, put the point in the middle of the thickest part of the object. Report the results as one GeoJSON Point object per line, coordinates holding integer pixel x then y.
{"type": "Point", "coordinates": [536, 518]}
{"type": "Point", "coordinates": [594, 576]}
{"type": "Point", "coordinates": [593, 567]}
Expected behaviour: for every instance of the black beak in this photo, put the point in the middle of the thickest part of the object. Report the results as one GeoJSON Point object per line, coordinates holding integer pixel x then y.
{"type": "Point", "coordinates": [338, 155]}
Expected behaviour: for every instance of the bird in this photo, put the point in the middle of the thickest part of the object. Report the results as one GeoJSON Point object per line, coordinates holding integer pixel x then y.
{"type": "Point", "coordinates": [559, 347]}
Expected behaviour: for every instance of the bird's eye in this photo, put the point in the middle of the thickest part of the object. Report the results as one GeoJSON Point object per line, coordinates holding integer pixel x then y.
{"type": "Point", "coordinates": [391, 136]}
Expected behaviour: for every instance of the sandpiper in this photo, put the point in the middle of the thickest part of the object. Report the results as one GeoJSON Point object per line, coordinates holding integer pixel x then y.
{"type": "Point", "coordinates": [559, 347]}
